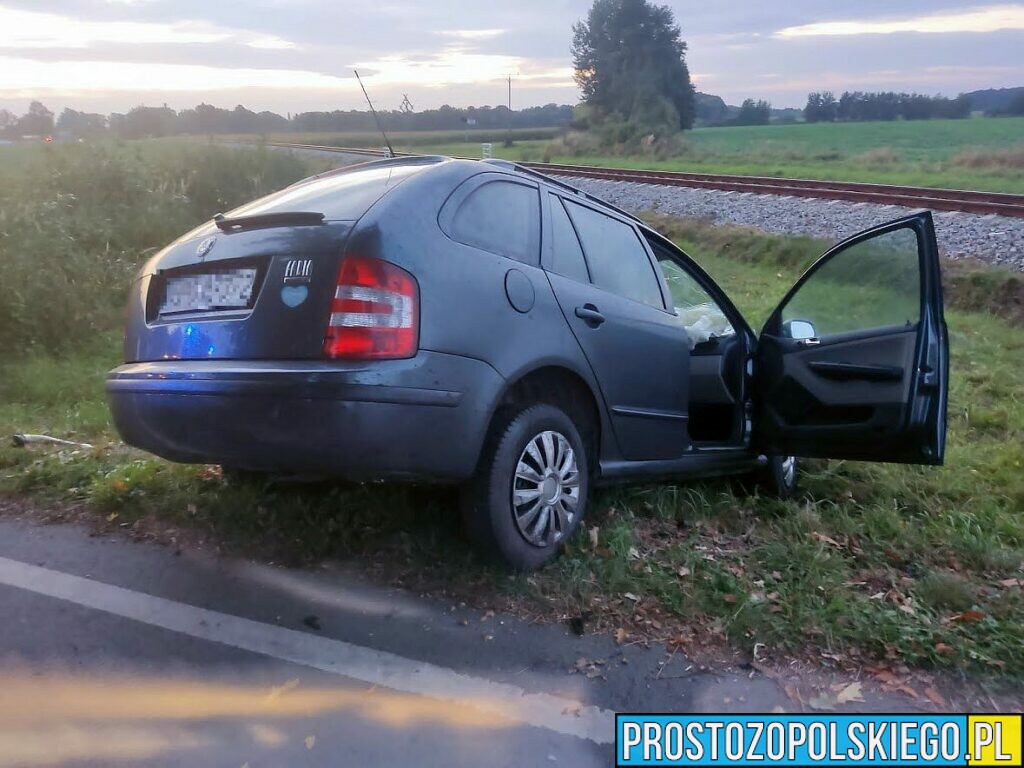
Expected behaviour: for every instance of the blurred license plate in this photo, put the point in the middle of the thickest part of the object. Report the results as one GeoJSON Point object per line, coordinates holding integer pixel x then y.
{"type": "Point", "coordinates": [209, 291]}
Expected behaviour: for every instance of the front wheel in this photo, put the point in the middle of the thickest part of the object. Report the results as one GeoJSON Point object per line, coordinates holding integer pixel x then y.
{"type": "Point", "coordinates": [530, 490]}
{"type": "Point", "coordinates": [779, 476]}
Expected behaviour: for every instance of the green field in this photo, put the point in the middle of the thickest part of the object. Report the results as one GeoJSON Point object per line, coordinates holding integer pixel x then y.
{"type": "Point", "coordinates": [870, 564]}
{"type": "Point", "coordinates": [984, 154]}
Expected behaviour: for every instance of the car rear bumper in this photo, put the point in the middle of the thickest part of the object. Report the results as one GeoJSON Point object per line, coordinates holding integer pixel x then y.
{"type": "Point", "coordinates": [419, 418]}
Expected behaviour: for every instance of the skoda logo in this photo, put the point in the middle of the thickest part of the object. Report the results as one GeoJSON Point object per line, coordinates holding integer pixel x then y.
{"type": "Point", "coordinates": [205, 246]}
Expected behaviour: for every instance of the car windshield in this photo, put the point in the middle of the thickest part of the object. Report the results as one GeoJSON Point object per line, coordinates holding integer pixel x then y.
{"type": "Point", "coordinates": [341, 197]}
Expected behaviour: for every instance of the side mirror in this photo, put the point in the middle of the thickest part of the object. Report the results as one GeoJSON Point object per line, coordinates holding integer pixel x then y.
{"type": "Point", "coordinates": [799, 329]}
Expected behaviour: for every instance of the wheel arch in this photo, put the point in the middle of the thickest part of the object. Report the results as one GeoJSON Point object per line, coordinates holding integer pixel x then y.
{"type": "Point", "coordinates": [556, 384]}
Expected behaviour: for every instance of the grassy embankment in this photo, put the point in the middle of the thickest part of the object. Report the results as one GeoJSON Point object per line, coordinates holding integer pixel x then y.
{"type": "Point", "coordinates": [871, 563]}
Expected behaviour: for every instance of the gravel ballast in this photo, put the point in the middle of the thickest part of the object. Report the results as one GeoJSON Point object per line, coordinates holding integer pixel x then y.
{"type": "Point", "coordinates": [996, 239]}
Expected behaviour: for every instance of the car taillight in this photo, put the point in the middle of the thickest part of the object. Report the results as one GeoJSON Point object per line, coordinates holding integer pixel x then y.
{"type": "Point", "coordinates": [374, 313]}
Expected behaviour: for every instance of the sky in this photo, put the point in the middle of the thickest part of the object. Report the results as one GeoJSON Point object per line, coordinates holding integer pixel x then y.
{"type": "Point", "coordinates": [298, 55]}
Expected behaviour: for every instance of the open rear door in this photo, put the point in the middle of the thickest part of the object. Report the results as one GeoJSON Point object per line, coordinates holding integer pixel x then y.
{"type": "Point", "coordinates": [854, 363]}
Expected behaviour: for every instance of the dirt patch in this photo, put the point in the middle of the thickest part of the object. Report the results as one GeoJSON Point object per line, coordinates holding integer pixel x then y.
{"type": "Point", "coordinates": [1012, 157]}
{"type": "Point", "coordinates": [974, 286]}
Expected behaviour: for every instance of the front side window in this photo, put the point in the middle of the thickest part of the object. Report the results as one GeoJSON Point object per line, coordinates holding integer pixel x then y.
{"type": "Point", "coordinates": [870, 285]}
{"type": "Point", "coordinates": [617, 259]}
{"type": "Point", "coordinates": [500, 217]}
{"type": "Point", "coordinates": [698, 313]}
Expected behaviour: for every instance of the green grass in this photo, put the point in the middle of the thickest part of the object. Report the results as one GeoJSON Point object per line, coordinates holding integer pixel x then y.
{"type": "Point", "coordinates": [873, 563]}
{"type": "Point", "coordinates": [984, 154]}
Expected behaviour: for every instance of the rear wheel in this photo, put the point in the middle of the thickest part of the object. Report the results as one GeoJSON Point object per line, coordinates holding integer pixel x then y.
{"type": "Point", "coordinates": [530, 490]}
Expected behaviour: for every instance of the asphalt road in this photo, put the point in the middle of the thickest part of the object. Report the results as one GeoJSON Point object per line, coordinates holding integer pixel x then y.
{"type": "Point", "coordinates": [118, 652]}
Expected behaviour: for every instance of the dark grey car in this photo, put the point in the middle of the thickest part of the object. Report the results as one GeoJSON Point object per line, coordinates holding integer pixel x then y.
{"type": "Point", "coordinates": [481, 324]}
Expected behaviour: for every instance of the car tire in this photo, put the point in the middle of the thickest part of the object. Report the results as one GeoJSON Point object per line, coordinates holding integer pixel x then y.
{"type": "Point", "coordinates": [531, 488]}
{"type": "Point", "coordinates": [780, 476]}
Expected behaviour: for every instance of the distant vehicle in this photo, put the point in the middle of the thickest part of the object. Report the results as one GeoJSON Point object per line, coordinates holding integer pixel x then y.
{"type": "Point", "coordinates": [480, 324]}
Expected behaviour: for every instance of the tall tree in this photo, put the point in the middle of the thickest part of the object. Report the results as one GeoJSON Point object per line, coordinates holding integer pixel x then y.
{"type": "Point", "coordinates": [8, 122]}
{"type": "Point", "coordinates": [754, 113]}
{"type": "Point", "coordinates": [81, 124]}
{"type": "Point", "coordinates": [631, 62]}
{"type": "Point", "coordinates": [38, 121]}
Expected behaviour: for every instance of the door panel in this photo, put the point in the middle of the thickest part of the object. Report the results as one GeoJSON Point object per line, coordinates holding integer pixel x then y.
{"type": "Point", "coordinates": [853, 363]}
{"type": "Point", "coordinates": [640, 357]}
{"type": "Point", "coordinates": [639, 352]}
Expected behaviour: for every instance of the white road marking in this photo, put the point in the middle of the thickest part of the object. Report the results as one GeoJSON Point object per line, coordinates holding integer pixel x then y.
{"type": "Point", "coordinates": [367, 665]}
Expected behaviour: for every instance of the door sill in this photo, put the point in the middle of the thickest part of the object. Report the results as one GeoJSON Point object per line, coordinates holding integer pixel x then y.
{"type": "Point", "coordinates": [703, 462]}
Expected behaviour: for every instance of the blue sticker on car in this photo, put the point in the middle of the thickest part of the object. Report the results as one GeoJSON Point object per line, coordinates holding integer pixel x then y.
{"type": "Point", "coordinates": [294, 295]}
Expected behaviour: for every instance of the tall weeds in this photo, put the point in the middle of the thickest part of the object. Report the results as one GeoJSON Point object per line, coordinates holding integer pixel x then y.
{"type": "Point", "coordinates": [77, 220]}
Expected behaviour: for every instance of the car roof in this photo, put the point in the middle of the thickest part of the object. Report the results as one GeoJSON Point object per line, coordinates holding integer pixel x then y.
{"type": "Point", "coordinates": [473, 167]}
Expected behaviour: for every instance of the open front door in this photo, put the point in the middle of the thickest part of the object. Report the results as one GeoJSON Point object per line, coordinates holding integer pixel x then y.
{"type": "Point", "coordinates": [853, 364]}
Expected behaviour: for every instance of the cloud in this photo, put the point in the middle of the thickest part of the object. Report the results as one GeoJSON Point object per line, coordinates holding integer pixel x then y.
{"type": "Point", "coordinates": [454, 65]}
{"type": "Point", "coordinates": [988, 19]}
{"type": "Point", "coordinates": [35, 30]}
{"type": "Point", "coordinates": [879, 79]}
{"type": "Point", "coordinates": [472, 34]}
{"type": "Point", "coordinates": [271, 43]}
{"type": "Point", "coordinates": [19, 77]}
{"type": "Point", "coordinates": [289, 55]}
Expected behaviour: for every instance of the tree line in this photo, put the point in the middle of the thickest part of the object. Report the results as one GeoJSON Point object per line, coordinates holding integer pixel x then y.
{"type": "Point", "coordinates": [142, 122]}
{"type": "Point", "coordinates": [824, 107]}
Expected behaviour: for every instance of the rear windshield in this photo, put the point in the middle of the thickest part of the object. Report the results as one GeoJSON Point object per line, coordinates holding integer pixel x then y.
{"type": "Point", "coordinates": [344, 196]}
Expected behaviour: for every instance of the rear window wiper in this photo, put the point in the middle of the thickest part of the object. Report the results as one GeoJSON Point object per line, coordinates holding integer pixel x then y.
{"type": "Point", "coordinates": [271, 219]}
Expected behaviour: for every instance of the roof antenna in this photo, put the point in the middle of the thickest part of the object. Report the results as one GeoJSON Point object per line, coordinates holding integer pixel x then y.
{"type": "Point", "coordinates": [387, 142]}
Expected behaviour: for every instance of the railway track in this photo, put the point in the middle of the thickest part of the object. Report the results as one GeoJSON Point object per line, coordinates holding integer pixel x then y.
{"type": "Point", "coordinates": [966, 201]}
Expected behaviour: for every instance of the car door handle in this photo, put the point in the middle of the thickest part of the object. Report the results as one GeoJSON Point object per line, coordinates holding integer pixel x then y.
{"type": "Point", "coordinates": [811, 342]}
{"type": "Point", "coordinates": [589, 314]}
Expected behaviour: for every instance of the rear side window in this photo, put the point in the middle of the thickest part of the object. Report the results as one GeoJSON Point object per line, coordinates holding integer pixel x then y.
{"type": "Point", "coordinates": [566, 253]}
{"type": "Point", "coordinates": [342, 197]}
{"type": "Point", "coordinates": [501, 217]}
{"type": "Point", "coordinates": [617, 259]}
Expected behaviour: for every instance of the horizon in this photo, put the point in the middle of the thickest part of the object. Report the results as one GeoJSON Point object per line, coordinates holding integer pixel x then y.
{"type": "Point", "coordinates": [292, 56]}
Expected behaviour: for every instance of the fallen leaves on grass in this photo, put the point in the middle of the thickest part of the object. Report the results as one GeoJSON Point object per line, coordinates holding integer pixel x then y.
{"type": "Point", "coordinates": [823, 539]}
{"type": "Point", "coordinates": [968, 616]}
